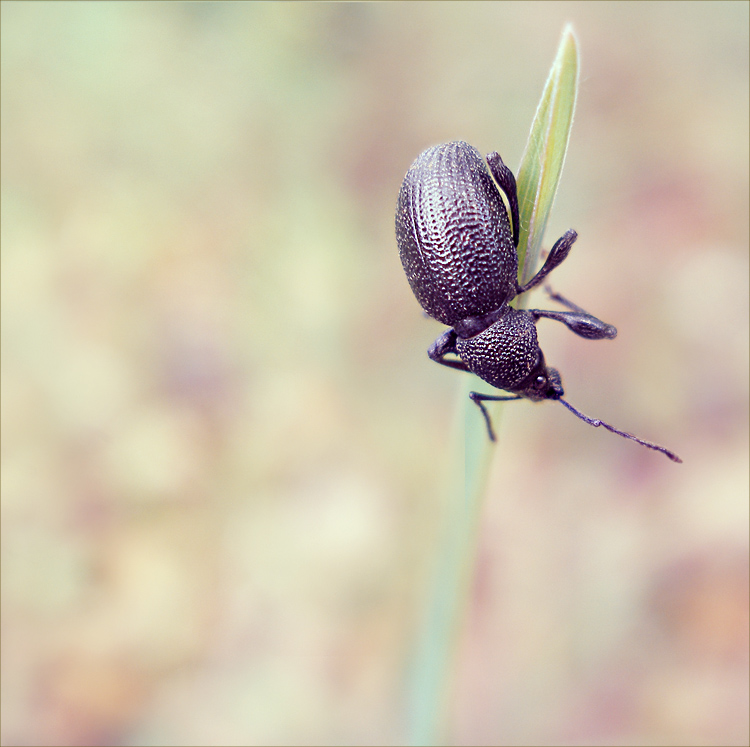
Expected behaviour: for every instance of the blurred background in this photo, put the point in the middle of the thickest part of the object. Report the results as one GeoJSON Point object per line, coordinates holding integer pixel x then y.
{"type": "Point", "coordinates": [223, 445]}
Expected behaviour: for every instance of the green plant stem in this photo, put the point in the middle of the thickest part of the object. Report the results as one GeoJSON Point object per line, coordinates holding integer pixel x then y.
{"type": "Point", "coordinates": [435, 654]}
{"type": "Point", "coordinates": [452, 575]}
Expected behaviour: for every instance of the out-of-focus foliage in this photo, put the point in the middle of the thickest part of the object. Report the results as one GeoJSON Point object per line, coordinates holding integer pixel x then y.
{"type": "Point", "coordinates": [222, 440]}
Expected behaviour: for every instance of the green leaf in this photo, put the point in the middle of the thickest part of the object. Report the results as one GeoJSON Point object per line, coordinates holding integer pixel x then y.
{"type": "Point", "coordinates": [542, 161]}
{"type": "Point", "coordinates": [537, 180]}
{"type": "Point", "coordinates": [433, 667]}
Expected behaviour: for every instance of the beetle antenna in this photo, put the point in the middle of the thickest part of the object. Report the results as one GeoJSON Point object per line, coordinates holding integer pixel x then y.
{"type": "Point", "coordinates": [596, 423]}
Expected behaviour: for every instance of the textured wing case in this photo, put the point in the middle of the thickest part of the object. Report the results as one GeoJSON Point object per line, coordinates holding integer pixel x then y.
{"type": "Point", "coordinates": [454, 236]}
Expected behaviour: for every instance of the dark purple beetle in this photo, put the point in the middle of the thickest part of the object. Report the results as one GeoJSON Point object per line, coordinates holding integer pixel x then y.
{"type": "Point", "coordinates": [458, 249]}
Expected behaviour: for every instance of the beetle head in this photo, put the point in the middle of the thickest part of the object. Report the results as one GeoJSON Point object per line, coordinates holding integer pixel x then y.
{"type": "Point", "coordinates": [541, 383]}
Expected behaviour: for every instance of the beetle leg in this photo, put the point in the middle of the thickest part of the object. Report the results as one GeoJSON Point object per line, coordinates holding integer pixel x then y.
{"type": "Point", "coordinates": [583, 324]}
{"type": "Point", "coordinates": [557, 255]}
{"type": "Point", "coordinates": [554, 296]}
{"type": "Point", "coordinates": [445, 344]}
{"type": "Point", "coordinates": [507, 182]}
{"type": "Point", "coordinates": [478, 398]}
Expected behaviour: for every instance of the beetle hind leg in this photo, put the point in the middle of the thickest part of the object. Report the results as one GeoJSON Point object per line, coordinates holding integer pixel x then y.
{"type": "Point", "coordinates": [507, 182]}
{"type": "Point", "coordinates": [556, 257]}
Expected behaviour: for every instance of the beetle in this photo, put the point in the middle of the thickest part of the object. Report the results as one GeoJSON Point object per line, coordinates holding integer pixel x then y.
{"type": "Point", "coordinates": [458, 247]}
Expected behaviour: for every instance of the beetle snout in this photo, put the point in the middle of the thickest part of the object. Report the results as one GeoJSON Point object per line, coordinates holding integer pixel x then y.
{"type": "Point", "coordinates": [555, 389]}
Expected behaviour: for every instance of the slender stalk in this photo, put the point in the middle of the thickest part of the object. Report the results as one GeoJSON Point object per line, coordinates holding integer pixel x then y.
{"type": "Point", "coordinates": [434, 662]}
{"type": "Point", "coordinates": [543, 159]}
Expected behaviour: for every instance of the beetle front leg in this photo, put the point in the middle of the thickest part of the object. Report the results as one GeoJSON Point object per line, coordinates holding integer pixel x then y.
{"type": "Point", "coordinates": [445, 344]}
{"type": "Point", "coordinates": [478, 398]}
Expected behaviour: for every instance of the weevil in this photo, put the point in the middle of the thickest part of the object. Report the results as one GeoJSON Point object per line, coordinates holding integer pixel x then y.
{"type": "Point", "coordinates": [458, 247]}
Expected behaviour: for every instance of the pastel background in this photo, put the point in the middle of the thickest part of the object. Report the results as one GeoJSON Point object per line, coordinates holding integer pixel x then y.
{"type": "Point", "coordinates": [223, 445]}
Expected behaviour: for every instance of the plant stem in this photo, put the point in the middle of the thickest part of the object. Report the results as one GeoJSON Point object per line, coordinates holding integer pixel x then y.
{"type": "Point", "coordinates": [434, 664]}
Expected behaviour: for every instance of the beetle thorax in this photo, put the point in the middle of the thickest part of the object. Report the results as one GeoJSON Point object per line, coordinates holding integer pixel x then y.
{"type": "Point", "coordinates": [505, 353]}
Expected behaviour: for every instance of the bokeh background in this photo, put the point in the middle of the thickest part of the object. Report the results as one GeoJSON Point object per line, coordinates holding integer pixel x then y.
{"type": "Point", "coordinates": [223, 445]}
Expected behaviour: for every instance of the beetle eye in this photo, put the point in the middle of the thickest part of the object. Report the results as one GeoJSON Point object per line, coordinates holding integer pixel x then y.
{"type": "Point", "coordinates": [540, 381]}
